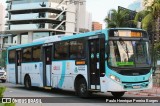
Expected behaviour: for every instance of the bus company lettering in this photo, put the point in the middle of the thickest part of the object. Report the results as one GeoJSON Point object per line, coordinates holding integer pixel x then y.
{"type": "Point", "coordinates": [56, 67]}
{"type": "Point", "coordinates": [81, 68]}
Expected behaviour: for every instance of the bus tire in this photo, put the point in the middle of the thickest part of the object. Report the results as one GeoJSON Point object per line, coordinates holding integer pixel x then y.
{"type": "Point", "coordinates": [82, 89]}
{"type": "Point", "coordinates": [27, 82]}
{"type": "Point", "coordinates": [117, 94]}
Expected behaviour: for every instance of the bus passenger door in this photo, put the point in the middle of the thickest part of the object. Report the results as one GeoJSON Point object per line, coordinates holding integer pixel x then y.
{"type": "Point", "coordinates": [96, 62]}
{"type": "Point", "coordinates": [47, 65]}
{"type": "Point", "coordinates": [18, 70]}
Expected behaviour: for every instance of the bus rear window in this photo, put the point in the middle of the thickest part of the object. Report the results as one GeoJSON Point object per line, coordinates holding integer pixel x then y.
{"type": "Point", "coordinates": [12, 56]}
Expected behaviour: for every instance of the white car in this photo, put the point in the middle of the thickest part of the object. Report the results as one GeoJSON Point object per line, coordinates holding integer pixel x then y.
{"type": "Point", "coordinates": [2, 75]}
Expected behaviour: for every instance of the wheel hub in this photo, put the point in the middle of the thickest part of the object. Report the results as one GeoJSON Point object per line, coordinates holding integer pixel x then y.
{"type": "Point", "coordinates": [82, 88]}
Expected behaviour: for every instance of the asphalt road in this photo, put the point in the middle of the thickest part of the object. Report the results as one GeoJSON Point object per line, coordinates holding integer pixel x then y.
{"type": "Point", "coordinates": [68, 98]}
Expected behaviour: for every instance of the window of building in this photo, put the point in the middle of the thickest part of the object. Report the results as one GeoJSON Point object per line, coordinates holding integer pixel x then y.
{"type": "Point", "coordinates": [5, 40]}
{"type": "Point", "coordinates": [15, 40]}
{"type": "Point", "coordinates": [61, 50]}
{"type": "Point", "coordinates": [36, 54]}
{"type": "Point", "coordinates": [27, 54]}
{"type": "Point", "coordinates": [12, 56]}
{"type": "Point", "coordinates": [77, 49]}
{"type": "Point", "coordinates": [38, 35]}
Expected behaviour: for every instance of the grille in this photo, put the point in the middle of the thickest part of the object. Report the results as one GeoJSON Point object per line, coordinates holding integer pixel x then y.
{"type": "Point", "coordinates": [1, 73]}
{"type": "Point", "coordinates": [133, 72]}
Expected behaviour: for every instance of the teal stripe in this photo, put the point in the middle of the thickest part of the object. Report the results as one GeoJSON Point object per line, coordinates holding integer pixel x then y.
{"type": "Point", "coordinates": [62, 75]}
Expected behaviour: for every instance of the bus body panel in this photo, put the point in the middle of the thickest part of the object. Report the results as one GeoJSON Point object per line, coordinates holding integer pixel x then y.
{"type": "Point", "coordinates": [35, 72]}
{"type": "Point", "coordinates": [142, 81]}
{"type": "Point", "coordinates": [65, 72]}
{"type": "Point", "coordinates": [109, 85]}
{"type": "Point", "coordinates": [11, 73]}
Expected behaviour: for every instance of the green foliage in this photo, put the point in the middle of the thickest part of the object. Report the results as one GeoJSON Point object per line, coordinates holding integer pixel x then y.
{"type": "Point", "coordinates": [9, 104]}
{"type": "Point", "coordinates": [149, 15]}
{"type": "Point", "coordinates": [157, 50]}
{"type": "Point", "coordinates": [2, 89]}
{"type": "Point", "coordinates": [3, 58]}
{"type": "Point", "coordinates": [118, 19]}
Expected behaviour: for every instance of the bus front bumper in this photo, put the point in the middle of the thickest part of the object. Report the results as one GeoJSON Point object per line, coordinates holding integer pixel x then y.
{"type": "Point", "coordinates": [109, 85]}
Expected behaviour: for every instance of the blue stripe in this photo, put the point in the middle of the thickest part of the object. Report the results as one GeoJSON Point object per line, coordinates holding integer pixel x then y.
{"type": "Point", "coordinates": [26, 45]}
{"type": "Point", "coordinates": [61, 81]}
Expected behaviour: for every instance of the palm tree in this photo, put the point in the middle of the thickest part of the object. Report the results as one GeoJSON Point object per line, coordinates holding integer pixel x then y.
{"type": "Point", "coordinates": [149, 16]}
{"type": "Point", "coordinates": [118, 19]}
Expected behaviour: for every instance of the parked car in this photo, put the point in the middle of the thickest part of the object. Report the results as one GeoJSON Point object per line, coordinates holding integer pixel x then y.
{"type": "Point", "coordinates": [2, 75]}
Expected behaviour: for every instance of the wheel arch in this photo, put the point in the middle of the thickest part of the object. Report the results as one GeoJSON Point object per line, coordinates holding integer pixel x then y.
{"type": "Point", "coordinates": [78, 77]}
{"type": "Point", "coordinates": [26, 75]}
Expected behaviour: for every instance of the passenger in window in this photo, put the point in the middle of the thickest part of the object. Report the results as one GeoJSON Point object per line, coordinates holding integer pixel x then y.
{"type": "Point", "coordinates": [72, 56]}
{"type": "Point", "coordinates": [56, 55]}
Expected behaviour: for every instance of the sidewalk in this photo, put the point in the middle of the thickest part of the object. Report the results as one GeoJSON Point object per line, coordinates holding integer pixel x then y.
{"type": "Point", "coordinates": [155, 91]}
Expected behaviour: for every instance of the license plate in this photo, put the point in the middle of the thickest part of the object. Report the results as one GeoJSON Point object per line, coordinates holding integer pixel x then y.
{"type": "Point", "coordinates": [136, 86]}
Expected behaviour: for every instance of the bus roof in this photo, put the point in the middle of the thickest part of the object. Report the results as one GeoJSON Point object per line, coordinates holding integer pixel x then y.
{"type": "Point", "coordinates": [67, 37]}
{"type": "Point", "coordinates": [127, 29]}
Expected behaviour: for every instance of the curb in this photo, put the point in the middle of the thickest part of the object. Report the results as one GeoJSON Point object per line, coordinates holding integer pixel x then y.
{"type": "Point", "coordinates": [143, 94]}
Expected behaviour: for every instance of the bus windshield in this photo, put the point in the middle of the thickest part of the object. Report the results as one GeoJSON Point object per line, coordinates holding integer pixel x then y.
{"type": "Point", "coordinates": [129, 54]}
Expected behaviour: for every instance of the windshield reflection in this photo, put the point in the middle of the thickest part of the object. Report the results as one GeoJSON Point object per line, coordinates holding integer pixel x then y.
{"type": "Point", "coordinates": [129, 54]}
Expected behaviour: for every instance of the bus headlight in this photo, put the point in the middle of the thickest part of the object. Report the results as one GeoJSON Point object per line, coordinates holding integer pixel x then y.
{"type": "Point", "coordinates": [114, 78]}
{"type": "Point", "coordinates": [150, 78]}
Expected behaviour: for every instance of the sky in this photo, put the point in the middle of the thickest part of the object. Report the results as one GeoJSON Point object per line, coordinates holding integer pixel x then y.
{"type": "Point", "coordinates": [100, 8]}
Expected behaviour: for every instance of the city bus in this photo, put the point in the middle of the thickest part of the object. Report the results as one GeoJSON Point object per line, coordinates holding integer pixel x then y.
{"type": "Point", "coordinates": [113, 60]}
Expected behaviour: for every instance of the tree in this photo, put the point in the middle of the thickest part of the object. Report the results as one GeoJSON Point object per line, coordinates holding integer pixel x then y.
{"type": "Point", "coordinates": [149, 15]}
{"type": "Point", "coordinates": [3, 58]}
{"type": "Point", "coordinates": [117, 19]}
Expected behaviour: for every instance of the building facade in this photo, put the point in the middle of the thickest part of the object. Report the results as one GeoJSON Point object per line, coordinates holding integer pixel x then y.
{"type": "Point", "coordinates": [88, 21]}
{"type": "Point", "coordinates": [32, 19]}
{"type": "Point", "coordinates": [2, 23]}
{"type": "Point", "coordinates": [2, 17]}
{"type": "Point", "coordinates": [96, 26]}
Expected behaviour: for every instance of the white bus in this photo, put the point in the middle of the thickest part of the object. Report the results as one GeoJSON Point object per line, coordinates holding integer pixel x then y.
{"type": "Point", "coordinates": [110, 60]}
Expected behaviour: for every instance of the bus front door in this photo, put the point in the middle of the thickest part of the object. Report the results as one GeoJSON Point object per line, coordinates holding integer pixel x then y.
{"type": "Point", "coordinates": [18, 67]}
{"type": "Point", "coordinates": [47, 65]}
{"type": "Point", "coordinates": [96, 62]}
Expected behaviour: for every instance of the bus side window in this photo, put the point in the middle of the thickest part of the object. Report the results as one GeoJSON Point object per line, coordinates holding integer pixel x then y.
{"type": "Point", "coordinates": [12, 56]}
{"type": "Point", "coordinates": [77, 49]}
{"type": "Point", "coordinates": [36, 54]}
{"type": "Point", "coordinates": [61, 50]}
{"type": "Point", "coordinates": [27, 54]}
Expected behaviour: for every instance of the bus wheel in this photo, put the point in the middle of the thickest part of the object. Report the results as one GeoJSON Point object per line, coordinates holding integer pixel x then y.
{"type": "Point", "coordinates": [82, 90]}
{"type": "Point", "coordinates": [117, 94]}
{"type": "Point", "coordinates": [27, 82]}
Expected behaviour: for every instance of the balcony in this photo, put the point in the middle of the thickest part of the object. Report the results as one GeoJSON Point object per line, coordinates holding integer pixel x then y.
{"type": "Point", "coordinates": [7, 15]}
{"type": "Point", "coordinates": [36, 10]}
{"type": "Point", "coordinates": [8, 1]}
{"type": "Point", "coordinates": [30, 21]}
